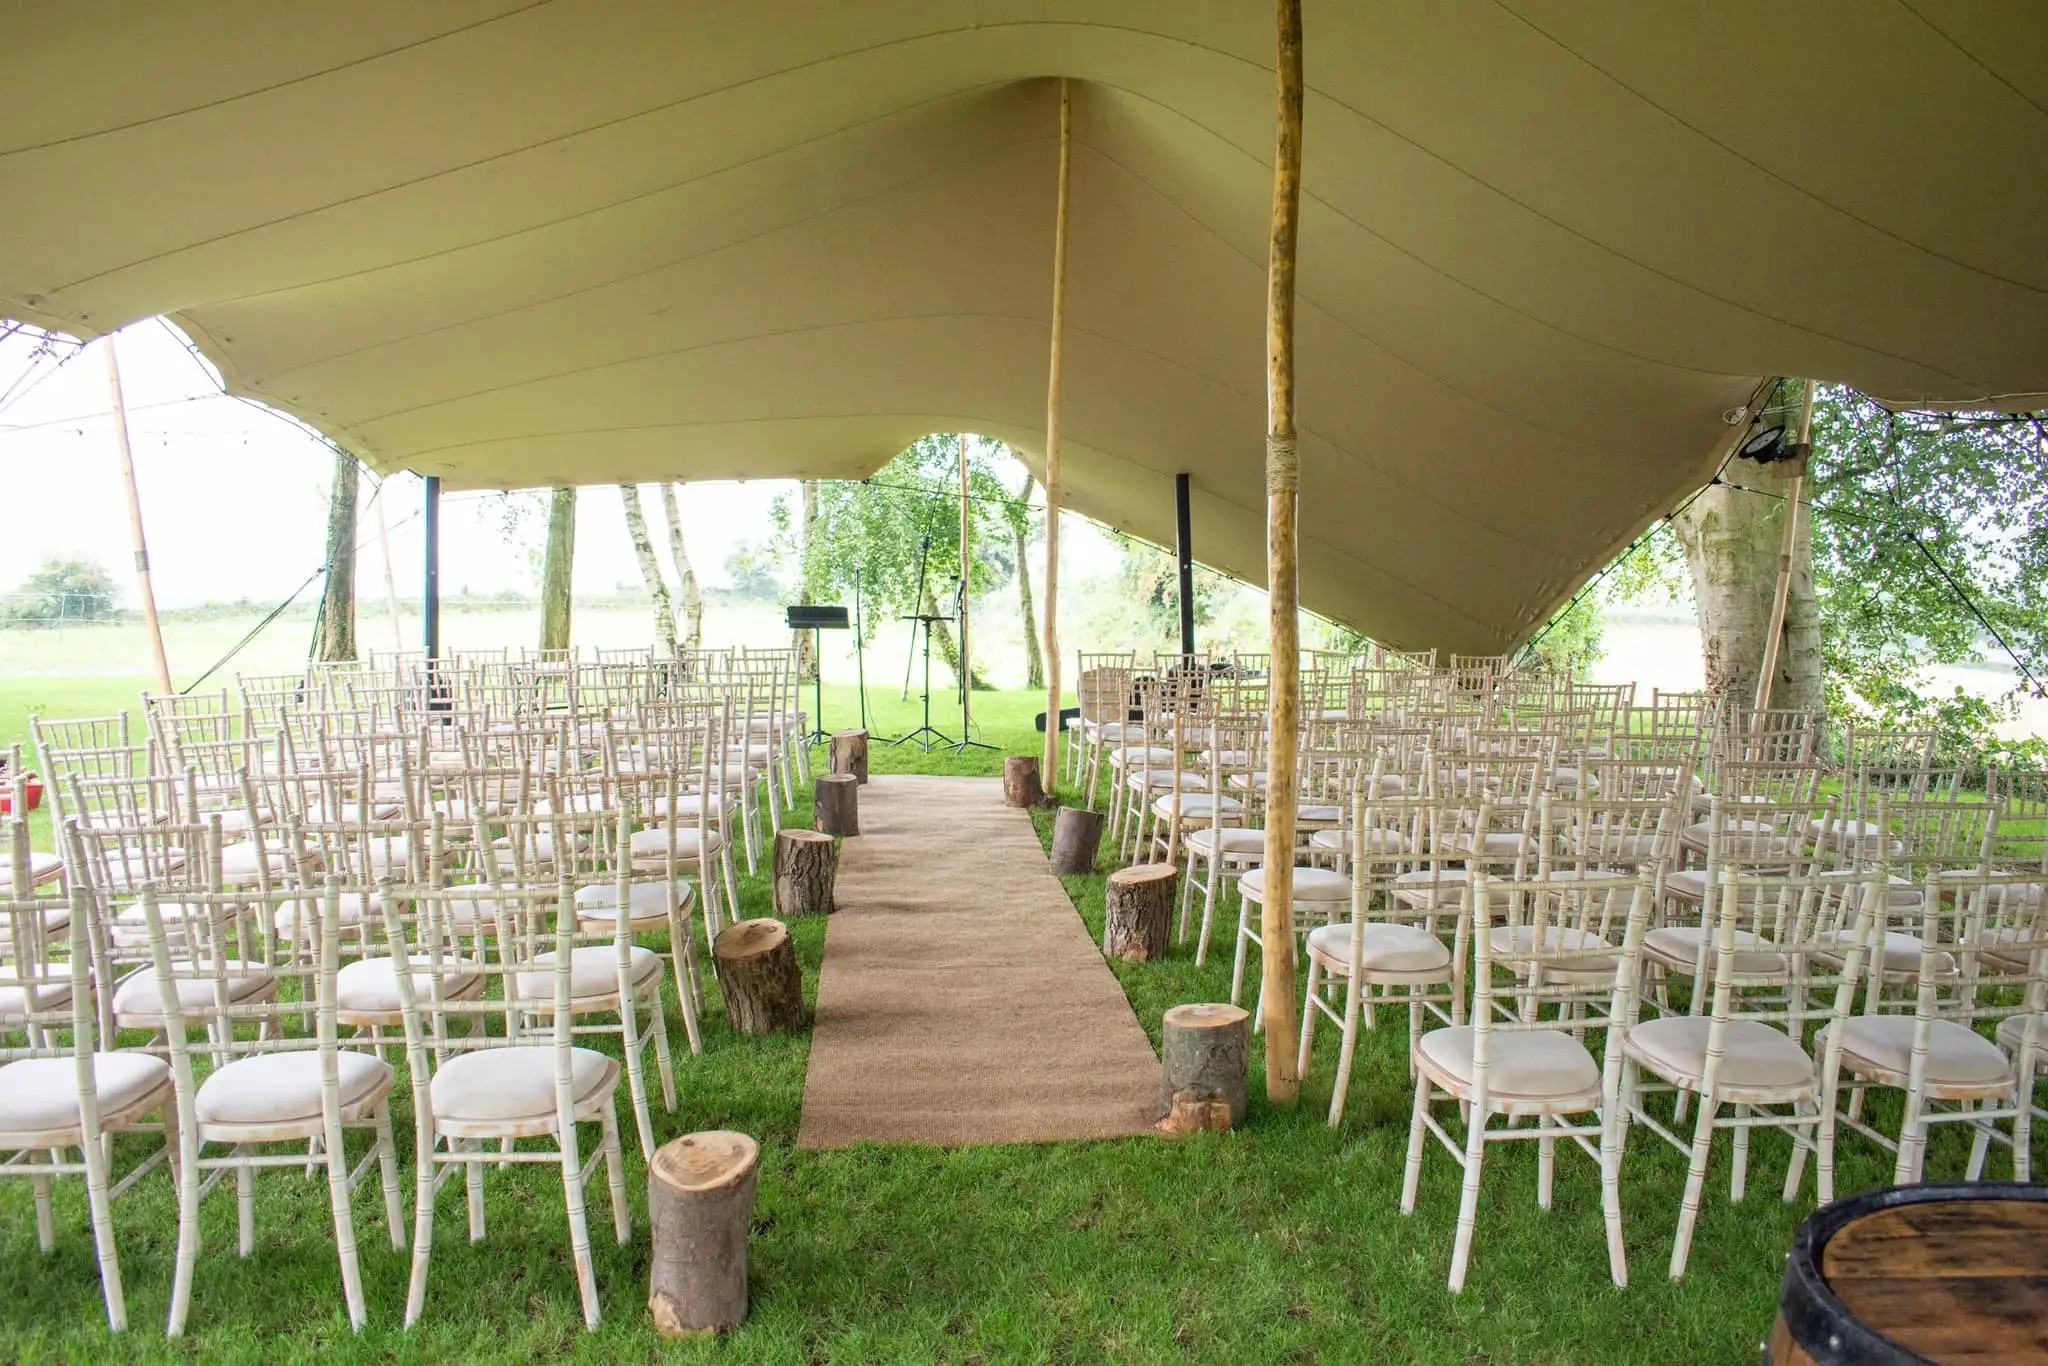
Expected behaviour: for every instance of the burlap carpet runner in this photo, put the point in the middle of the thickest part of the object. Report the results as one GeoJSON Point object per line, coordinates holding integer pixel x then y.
{"type": "Point", "coordinates": [962, 999]}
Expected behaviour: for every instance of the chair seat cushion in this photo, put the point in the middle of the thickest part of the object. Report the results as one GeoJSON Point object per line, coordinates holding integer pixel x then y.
{"type": "Point", "coordinates": [1138, 755]}
{"type": "Point", "coordinates": [1500, 845]}
{"type": "Point", "coordinates": [1860, 839]}
{"type": "Point", "coordinates": [1519, 941]}
{"type": "Point", "coordinates": [1679, 945]}
{"type": "Point", "coordinates": [2012, 1032]}
{"type": "Point", "coordinates": [293, 917]}
{"type": "Point", "coordinates": [1899, 894]}
{"type": "Point", "coordinates": [38, 1095]}
{"type": "Point", "coordinates": [539, 845]}
{"type": "Point", "coordinates": [284, 1088]}
{"type": "Point", "coordinates": [1377, 841]}
{"type": "Point", "coordinates": [1199, 806]}
{"type": "Point", "coordinates": [1753, 839]}
{"type": "Point", "coordinates": [54, 993]}
{"type": "Point", "coordinates": [1318, 813]}
{"type": "Point", "coordinates": [1899, 952]}
{"type": "Point", "coordinates": [242, 860]}
{"type": "Point", "coordinates": [1383, 947]}
{"type": "Point", "coordinates": [369, 986]}
{"type": "Point", "coordinates": [1754, 1055]}
{"type": "Point", "coordinates": [137, 1001]}
{"type": "Point", "coordinates": [514, 1083]}
{"type": "Point", "coordinates": [649, 845]}
{"type": "Point", "coordinates": [1541, 1064]}
{"type": "Point", "coordinates": [1236, 840]}
{"type": "Point", "coordinates": [1310, 884]}
{"type": "Point", "coordinates": [42, 868]}
{"type": "Point", "coordinates": [593, 971]}
{"type": "Point", "coordinates": [1882, 1046]}
{"type": "Point", "coordinates": [644, 900]}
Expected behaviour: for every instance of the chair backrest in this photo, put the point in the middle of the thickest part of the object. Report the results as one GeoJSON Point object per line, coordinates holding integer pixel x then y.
{"type": "Point", "coordinates": [2020, 797]}
{"type": "Point", "coordinates": [1569, 945]}
{"type": "Point", "coordinates": [1983, 956]}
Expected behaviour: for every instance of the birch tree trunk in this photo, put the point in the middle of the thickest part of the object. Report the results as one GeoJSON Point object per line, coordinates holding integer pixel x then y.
{"type": "Point", "coordinates": [686, 575]}
{"type": "Point", "coordinates": [1732, 538]}
{"type": "Point", "coordinates": [338, 598]}
{"type": "Point", "coordinates": [1034, 658]}
{"type": "Point", "coordinates": [650, 568]}
{"type": "Point", "coordinates": [806, 642]}
{"type": "Point", "coordinates": [556, 570]}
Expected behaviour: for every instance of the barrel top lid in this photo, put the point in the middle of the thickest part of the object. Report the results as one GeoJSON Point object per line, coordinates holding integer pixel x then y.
{"type": "Point", "coordinates": [1945, 1274]}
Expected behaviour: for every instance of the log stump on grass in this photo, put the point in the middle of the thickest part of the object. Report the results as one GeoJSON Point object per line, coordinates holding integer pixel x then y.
{"type": "Point", "coordinates": [835, 804]}
{"type": "Point", "coordinates": [1139, 912]}
{"type": "Point", "coordinates": [1021, 785]}
{"type": "Point", "coordinates": [1202, 1061]}
{"type": "Point", "coordinates": [700, 1202]}
{"type": "Point", "coordinates": [757, 972]}
{"type": "Point", "coordinates": [806, 867]}
{"type": "Point", "coordinates": [1076, 839]}
{"type": "Point", "coordinates": [850, 754]}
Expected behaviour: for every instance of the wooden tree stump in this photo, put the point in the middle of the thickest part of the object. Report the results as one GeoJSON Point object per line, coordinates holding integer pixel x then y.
{"type": "Point", "coordinates": [700, 1202]}
{"type": "Point", "coordinates": [1202, 1060]}
{"type": "Point", "coordinates": [1076, 838]}
{"type": "Point", "coordinates": [1020, 781]}
{"type": "Point", "coordinates": [835, 804]}
{"type": "Point", "coordinates": [1140, 911]}
{"type": "Point", "coordinates": [806, 866]}
{"type": "Point", "coordinates": [850, 754]}
{"type": "Point", "coordinates": [757, 971]}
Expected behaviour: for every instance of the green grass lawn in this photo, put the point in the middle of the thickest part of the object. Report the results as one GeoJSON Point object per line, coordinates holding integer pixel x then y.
{"type": "Point", "coordinates": [1280, 1242]}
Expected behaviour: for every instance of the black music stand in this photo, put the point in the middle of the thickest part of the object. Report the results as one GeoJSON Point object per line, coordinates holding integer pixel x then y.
{"type": "Point", "coordinates": [816, 620]}
{"type": "Point", "coordinates": [966, 741]}
{"type": "Point", "coordinates": [927, 732]}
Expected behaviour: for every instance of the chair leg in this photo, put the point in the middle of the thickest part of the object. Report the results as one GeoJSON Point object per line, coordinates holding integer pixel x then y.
{"type": "Point", "coordinates": [1309, 1012]}
{"type": "Point", "coordinates": [1546, 1165]}
{"type": "Point", "coordinates": [664, 1061]}
{"type": "Point", "coordinates": [1243, 939]}
{"type": "Point", "coordinates": [1738, 1173]}
{"type": "Point", "coordinates": [579, 1225]}
{"type": "Point", "coordinates": [1468, 1197]}
{"type": "Point", "coordinates": [101, 1204]}
{"type": "Point", "coordinates": [1613, 1143]}
{"type": "Point", "coordinates": [187, 1176]}
{"type": "Point", "coordinates": [245, 1207]}
{"type": "Point", "coordinates": [615, 1177]}
{"type": "Point", "coordinates": [1354, 992]}
{"type": "Point", "coordinates": [46, 1224]}
{"type": "Point", "coordinates": [1912, 1143]}
{"type": "Point", "coordinates": [473, 1186]}
{"type": "Point", "coordinates": [1980, 1144]}
{"type": "Point", "coordinates": [344, 1226]}
{"type": "Point", "coordinates": [1795, 1169]}
{"type": "Point", "coordinates": [1411, 1175]}
{"type": "Point", "coordinates": [424, 1190]}
{"type": "Point", "coordinates": [387, 1170]}
{"type": "Point", "coordinates": [1695, 1178]}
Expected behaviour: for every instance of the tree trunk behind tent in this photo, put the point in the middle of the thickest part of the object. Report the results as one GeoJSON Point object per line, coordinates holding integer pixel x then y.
{"type": "Point", "coordinates": [1732, 538]}
{"type": "Point", "coordinates": [650, 568]}
{"type": "Point", "coordinates": [807, 584]}
{"type": "Point", "coordinates": [557, 569]}
{"type": "Point", "coordinates": [686, 575]}
{"type": "Point", "coordinates": [1034, 657]}
{"type": "Point", "coordinates": [337, 638]}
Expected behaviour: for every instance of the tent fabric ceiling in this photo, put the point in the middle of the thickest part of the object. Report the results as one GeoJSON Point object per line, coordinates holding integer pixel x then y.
{"type": "Point", "coordinates": [1546, 245]}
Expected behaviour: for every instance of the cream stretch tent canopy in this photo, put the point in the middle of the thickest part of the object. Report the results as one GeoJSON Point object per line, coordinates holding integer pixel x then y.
{"type": "Point", "coordinates": [1546, 245]}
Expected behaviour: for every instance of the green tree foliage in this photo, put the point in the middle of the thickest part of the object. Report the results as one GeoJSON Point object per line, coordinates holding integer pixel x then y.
{"type": "Point", "coordinates": [1916, 518]}
{"type": "Point", "coordinates": [61, 591]}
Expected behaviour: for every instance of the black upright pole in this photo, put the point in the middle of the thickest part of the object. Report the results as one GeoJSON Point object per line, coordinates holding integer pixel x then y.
{"type": "Point", "coordinates": [1184, 550]}
{"type": "Point", "coordinates": [430, 593]}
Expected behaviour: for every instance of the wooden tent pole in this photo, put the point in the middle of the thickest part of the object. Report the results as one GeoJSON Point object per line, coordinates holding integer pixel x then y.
{"type": "Point", "coordinates": [151, 623]}
{"type": "Point", "coordinates": [966, 562]}
{"type": "Point", "coordinates": [1801, 451]}
{"type": "Point", "coordinates": [1283, 496]}
{"type": "Point", "coordinates": [1050, 760]}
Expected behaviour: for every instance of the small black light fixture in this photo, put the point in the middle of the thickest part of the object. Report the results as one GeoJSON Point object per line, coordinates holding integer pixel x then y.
{"type": "Point", "coordinates": [1768, 446]}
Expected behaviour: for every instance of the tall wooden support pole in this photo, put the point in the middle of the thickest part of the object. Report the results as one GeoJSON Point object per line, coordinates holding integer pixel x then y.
{"type": "Point", "coordinates": [1802, 451]}
{"type": "Point", "coordinates": [143, 587]}
{"type": "Point", "coordinates": [1050, 766]}
{"type": "Point", "coordinates": [1184, 552]}
{"type": "Point", "coordinates": [1283, 496]}
{"type": "Point", "coordinates": [966, 563]}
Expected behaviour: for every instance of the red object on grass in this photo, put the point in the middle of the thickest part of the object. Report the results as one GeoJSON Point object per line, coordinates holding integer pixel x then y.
{"type": "Point", "coordinates": [34, 788]}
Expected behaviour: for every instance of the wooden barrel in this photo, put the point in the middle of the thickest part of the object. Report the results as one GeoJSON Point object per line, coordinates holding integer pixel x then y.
{"type": "Point", "coordinates": [1918, 1274]}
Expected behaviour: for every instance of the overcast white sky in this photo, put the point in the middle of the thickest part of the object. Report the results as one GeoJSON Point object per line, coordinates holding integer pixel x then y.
{"type": "Point", "coordinates": [234, 497]}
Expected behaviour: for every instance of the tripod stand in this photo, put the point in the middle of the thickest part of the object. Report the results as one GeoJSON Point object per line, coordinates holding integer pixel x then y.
{"type": "Point", "coordinates": [966, 741]}
{"type": "Point", "coordinates": [926, 733]}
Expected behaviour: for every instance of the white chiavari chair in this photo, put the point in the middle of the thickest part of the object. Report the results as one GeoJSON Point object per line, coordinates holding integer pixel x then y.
{"type": "Point", "coordinates": [1513, 1060]}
